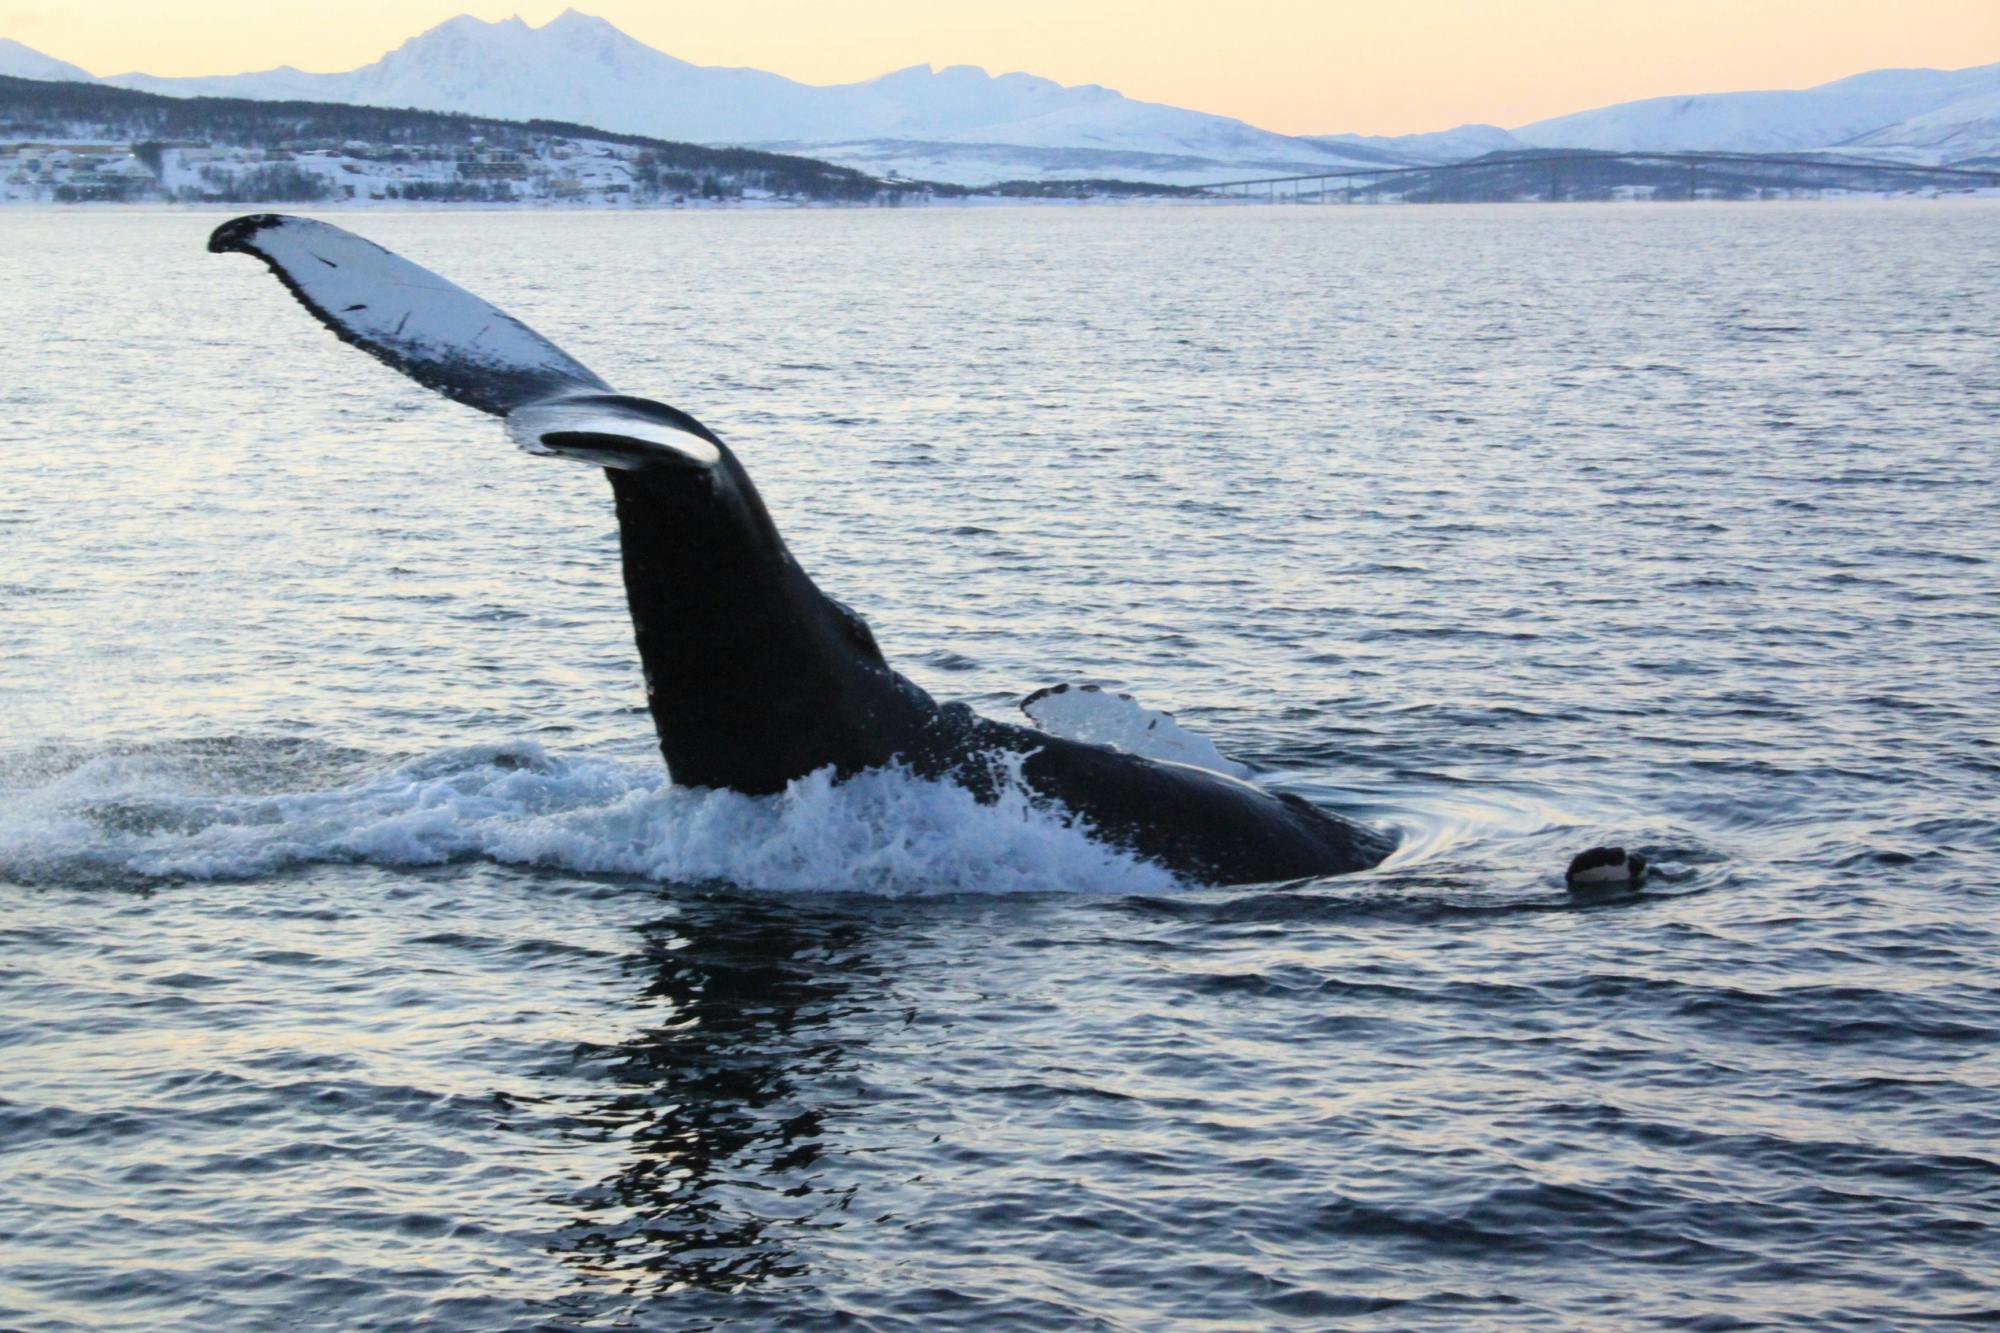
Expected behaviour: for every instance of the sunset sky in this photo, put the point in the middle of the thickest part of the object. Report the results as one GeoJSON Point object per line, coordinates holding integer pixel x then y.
{"type": "Point", "coordinates": [1298, 66]}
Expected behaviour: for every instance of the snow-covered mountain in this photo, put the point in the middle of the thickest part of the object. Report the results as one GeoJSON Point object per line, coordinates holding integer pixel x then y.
{"type": "Point", "coordinates": [1965, 131]}
{"type": "Point", "coordinates": [948, 122]}
{"type": "Point", "coordinates": [1833, 115]}
{"type": "Point", "coordinates": [22, 62]}
{"type": "Point", "coordinates": [962, 124]}
{"type": "Point", "coordinates": [574, 68]}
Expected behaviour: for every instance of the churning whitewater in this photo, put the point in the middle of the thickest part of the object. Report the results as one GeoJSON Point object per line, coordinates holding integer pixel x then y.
{"type": "Point", "coordinates": [180, 813]}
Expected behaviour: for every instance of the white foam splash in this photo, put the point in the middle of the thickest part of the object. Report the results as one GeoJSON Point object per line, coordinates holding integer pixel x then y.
{"type": "Point", "coordinates": [158, 815]}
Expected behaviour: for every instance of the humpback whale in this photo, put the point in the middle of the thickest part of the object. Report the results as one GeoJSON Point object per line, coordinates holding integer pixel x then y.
{"type": "Point", "coordinates": [754, 677]}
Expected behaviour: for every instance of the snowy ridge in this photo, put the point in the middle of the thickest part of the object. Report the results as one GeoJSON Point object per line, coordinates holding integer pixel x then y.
{"type": "Point", "coordinates": [1833, 115]}
{"type": "Point", "coordinates": [1964, 131]}
{"type": "Point", "coordinates": [963, 125]}
{"type": "Point", "coordinates": [582, 69]}
{"type": "Point", "coordinates": [22, 62]}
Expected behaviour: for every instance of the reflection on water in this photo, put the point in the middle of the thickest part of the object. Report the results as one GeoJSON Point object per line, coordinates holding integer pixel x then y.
{"type": "Point", "coordinates": [721, 1098]}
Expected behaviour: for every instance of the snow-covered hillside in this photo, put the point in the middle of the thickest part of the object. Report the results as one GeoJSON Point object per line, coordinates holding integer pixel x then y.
{"type": "Point", "coordinates": [583, 69]}
{"type": "Point", "coordinates": [1965, 131]}
{"type": "Point", "coordinates": [575, 68]}
{"type": "Point", "coordinates": [1832, 115]}
{"type": "Point", "coordinates": [963, 125]}
{"type": "Point", "coordinates": [21, 62]}
{"type": "Point", "coordinates": [75, 142]}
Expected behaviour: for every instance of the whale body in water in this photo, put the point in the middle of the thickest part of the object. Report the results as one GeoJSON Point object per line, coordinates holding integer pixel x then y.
{"type": "Point", "coordinates": [755, 677]}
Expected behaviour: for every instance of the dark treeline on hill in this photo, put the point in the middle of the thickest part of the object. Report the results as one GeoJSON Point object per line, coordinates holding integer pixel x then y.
{"type": "Point", "coordinates": [34, 109]}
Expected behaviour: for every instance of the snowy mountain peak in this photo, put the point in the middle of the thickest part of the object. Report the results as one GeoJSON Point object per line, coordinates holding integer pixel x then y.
{"type": "Point", "coordinates": [568, 32]}
{"type": "Point", "coordinates": [24, 62]}
{"type": "Point", "coordinates": [576, 19]}
{"type": "Point", "coordinates": [960, 121]}
{"type": "Point", "coordinates": [467, 27]}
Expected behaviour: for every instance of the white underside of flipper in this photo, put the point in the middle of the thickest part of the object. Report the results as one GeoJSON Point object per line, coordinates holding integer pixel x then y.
{"type": "Point", "coordinates": [431, 329]}
{"type": "Point", "coordinates": [1118, 721]}
{"type": "Point", "coordinates": [606, 432]}
{"type": "Point", "coordinates": [447, 339]}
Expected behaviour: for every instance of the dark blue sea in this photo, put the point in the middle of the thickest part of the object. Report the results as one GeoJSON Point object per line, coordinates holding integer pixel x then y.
{"type": "Point", "coordinates": [359, 968]}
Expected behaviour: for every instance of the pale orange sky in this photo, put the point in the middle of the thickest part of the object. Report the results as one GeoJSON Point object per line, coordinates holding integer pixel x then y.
{"type": "Point", "coordinates": [1297, 66]}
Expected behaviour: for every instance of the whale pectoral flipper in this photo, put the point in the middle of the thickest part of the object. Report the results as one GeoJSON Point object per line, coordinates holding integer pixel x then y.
{"type": "Point", "coordinates": [434, 331]}
{"type": "Point", "coordinates": [1097, 716]}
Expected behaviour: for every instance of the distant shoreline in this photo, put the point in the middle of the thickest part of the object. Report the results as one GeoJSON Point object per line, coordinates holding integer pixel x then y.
{"type": "Point", "coordinates": [86, 144]}
{"type": "Point", "coordinates": [961, 204]}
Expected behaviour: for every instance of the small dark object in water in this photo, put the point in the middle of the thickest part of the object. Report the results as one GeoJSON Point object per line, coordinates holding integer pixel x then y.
{"type": "Point", "coordinates": [1605, 866]}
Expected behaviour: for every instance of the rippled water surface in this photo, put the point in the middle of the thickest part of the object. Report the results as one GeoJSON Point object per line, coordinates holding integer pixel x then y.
{"type": "Point", "coordinates": [359, 969]}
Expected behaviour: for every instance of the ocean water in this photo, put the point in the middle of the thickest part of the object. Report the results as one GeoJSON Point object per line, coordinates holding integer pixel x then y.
{"type": "Point", "coordinates": [358, 968]}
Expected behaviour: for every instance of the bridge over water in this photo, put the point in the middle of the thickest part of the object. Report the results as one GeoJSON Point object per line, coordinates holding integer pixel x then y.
{"type": "Point", "coordinates": [1578, 174]}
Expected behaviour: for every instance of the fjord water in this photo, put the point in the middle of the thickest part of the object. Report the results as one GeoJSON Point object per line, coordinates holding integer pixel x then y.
{"type": "Point", "coordinates": [358, 969]}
